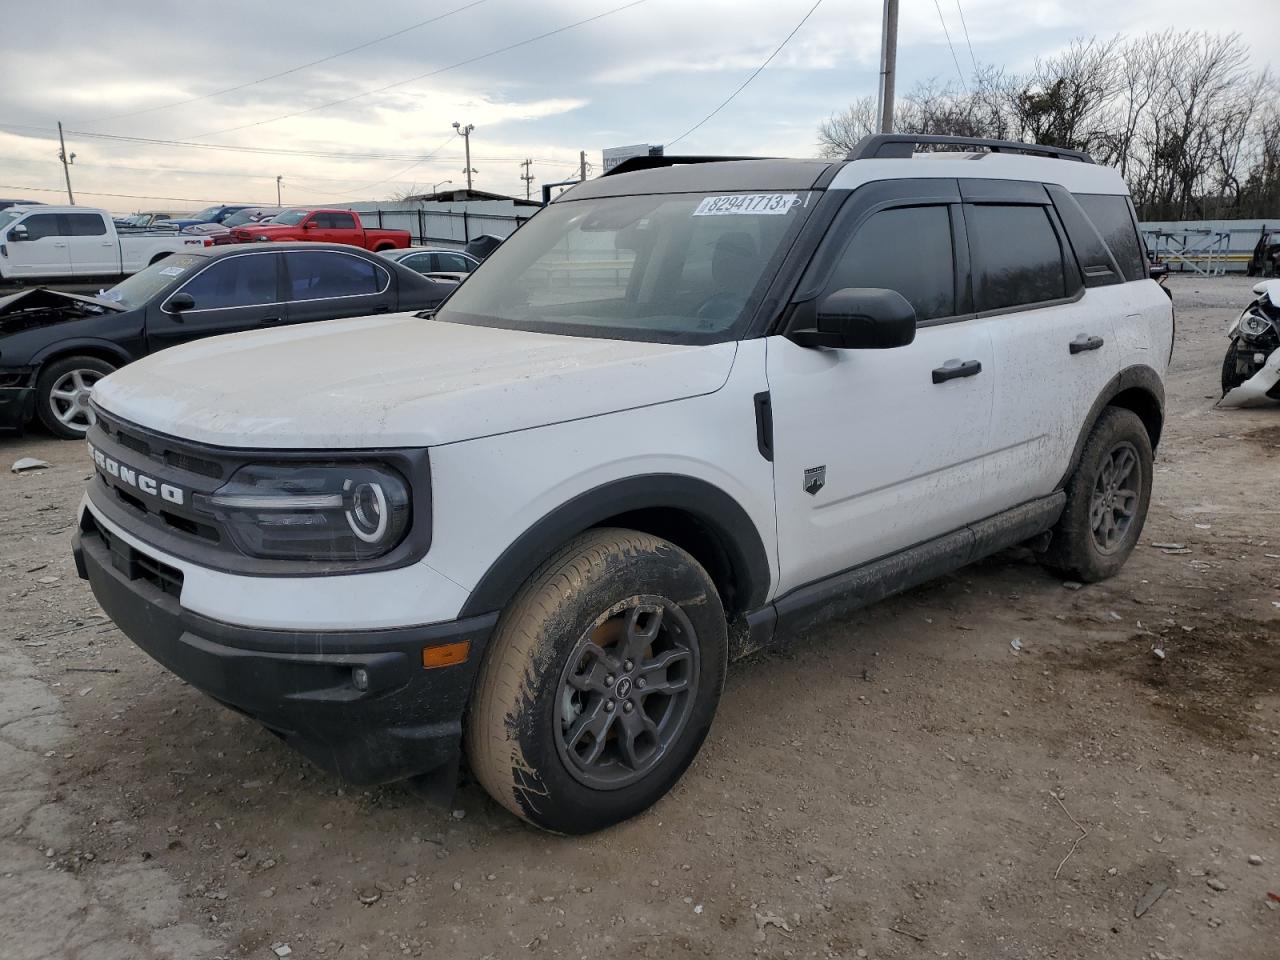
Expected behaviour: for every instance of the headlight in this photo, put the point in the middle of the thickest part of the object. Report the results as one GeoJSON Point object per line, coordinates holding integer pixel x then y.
{"type": "Point", "coordinates": [1253, 324]}
{"type": "Point", "coordinates": [322, 511]}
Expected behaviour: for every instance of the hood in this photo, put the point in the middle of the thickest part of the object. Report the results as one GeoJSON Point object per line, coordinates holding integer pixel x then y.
{"type": "Point", "coordinates": [397, 381]}
{"type": "Point", "coordinates": [1269, 289]}
{"type": "Point", "coordinates": [40, 307]}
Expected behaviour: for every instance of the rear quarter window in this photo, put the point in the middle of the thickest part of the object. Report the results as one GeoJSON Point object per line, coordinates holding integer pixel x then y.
{"type": "Point", "coordinates": [1017, 256]}
{"type": "Point", "coordinates": [1113, 218]}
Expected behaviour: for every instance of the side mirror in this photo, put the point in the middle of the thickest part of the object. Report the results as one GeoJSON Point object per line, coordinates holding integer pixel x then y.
{"type": "Point", "coordinates": [309, 225]}
{"type": "Point", "coordinates": [865, 318]}
{"type": "Point", "coordinates": [1158, 271]}
{"type": "Point", "coordinates": [18, 234]}
{"type": "Point", "coordinates": [179, 302]}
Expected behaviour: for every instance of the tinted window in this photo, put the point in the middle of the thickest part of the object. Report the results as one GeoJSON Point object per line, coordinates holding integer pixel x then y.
{"type": "Point", "coordinates": [42, 225]}
{"type": "Point", "coordinates": [138, 289]}
{"type": "Point", "coordinates": [336, 221]}
{"type": "Point", "coordinates": [908, 250]}
{"type": "Point", "coordinates": [419, 261]}
{"type": "Point", "coordinates": [1016, 256]}
{"type": "Point", "coordinates": [1111, 216]}
{"type": "Point", "coordinates": [453, 263]}
{"type": "Point", "coordinates": [316, 276]}
{"type": "Point", "coordinates": [85, 225]}
{"type": "Point", "coordinates": [235, 282]}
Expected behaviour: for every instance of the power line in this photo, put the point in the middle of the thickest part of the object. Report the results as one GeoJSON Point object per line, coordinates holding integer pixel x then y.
{"type": "Point", "coordinates": [965, 27]}
{"type": "Point", "coordinates": [285, 73]}
{"type": "Point", "coordinates": [947, 34]}
{"type": "Point", "coordinates": [430, 73]}
{"type": "Point", "coordinates": [130, 196]}
{"type": "Point", "coordinates": [187, 171]}
{"type": "Point", "coordinates": [397, 176]}
{"type": "Point", "coordinates": [744, 83]}
{"type": "Point", "coordinates": [270, 151]}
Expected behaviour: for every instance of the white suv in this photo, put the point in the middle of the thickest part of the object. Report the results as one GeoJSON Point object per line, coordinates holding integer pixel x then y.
{"type": "Point", "coordinates": [683, 412]}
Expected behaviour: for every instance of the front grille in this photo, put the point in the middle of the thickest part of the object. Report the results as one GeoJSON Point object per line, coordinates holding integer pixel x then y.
{"type": "Point", "coordinates": [183, 461]}
{"type": "Point", "coordinates": [134, 563]}
{"type": "Point", "coordinates": [133, 443]}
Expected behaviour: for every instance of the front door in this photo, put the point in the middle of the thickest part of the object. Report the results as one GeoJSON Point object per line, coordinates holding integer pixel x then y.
{"type": "Point", "coordinates": [878, 450]}
{"type": "Point", "coordinates": [239, 292]}
{"type": "Point", "coordinates": [44, 253]}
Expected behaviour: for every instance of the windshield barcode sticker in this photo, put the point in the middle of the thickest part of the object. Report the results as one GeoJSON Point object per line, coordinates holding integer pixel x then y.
{"type": "Point", "coordinates": [746, 203]}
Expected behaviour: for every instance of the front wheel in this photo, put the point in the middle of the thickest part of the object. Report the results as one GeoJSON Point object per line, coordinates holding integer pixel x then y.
{"type": "Point", "coordinates": [62, 395]}
{"type": "Point", "coordinates": [600, 683]}
{"type": "Point", "coordinates": [1107, 499]}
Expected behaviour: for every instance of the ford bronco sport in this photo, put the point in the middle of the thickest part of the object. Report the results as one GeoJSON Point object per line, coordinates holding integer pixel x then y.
{"type": "Point", "coordinates": [683, 412]}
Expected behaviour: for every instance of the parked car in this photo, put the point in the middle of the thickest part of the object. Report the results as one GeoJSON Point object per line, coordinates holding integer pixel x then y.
{"type": "Point", "coordinates": [537, 527]}
{"type": "Point", "coordinates": [48, 242]}
{"type": "Point", "coordinates": [436, 262]}
{"type": "Point", "coordinates": [54, 347]}
{"type": "Point", "coordinates": [480, 247]}
{"type": "Point", "coordinates": [323, 226]}
{"type": "Point", "coordinates": [1251, 368]}
{"type": "Point", "coordinates": [6, 204]}
{"type": "Point", "coordinates": [252, 215]}
{"type": "Point", "coordinates": [149, 218]}
{"type": "Point", "coordinates": [221, 212]}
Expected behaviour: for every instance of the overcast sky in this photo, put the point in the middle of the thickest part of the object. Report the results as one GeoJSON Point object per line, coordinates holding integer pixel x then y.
{"type": "Point", "coordinates": [646, 73]}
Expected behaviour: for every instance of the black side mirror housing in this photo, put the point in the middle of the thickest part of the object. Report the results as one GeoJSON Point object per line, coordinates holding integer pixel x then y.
{"type": "Point", "coordinates": [861, 318]}
{"type": "Point", "coordinates": [1158, 271]}
{"type": "Point", "coordinates": [179, 302]}
{"type": "Point", "coordinates": [18, 234]}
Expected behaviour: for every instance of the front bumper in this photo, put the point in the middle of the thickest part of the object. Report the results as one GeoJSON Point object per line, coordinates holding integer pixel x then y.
{"type": "Point", "coordinates": [299, 684]}
{"type": "Point", "coordinates": [17, 407]}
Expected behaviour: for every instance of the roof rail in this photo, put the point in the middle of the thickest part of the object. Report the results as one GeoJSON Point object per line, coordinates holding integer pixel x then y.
{"type": "Point", "coordinates": [632, 164]}
{"type": "Point", "coordinates": [900, 146]}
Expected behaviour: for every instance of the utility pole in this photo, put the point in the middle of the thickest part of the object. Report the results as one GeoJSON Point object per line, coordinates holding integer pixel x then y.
{"type": "Point", "coordinates": [465, 132]}
{"type": "Point", "coordinates": [528, 178]}
{"type": "Point", "coordinates": [888, 65]}
{"type": "Point", "coordinates": [278, 179]}
{"type": "Point", "coordinates": [66, 162]}
{"type": "Point", "coordinates": [582, 165]}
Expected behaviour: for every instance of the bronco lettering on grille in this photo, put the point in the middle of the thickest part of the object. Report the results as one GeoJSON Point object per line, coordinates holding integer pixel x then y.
{"type": "Point", "coordinates": [140, 481]}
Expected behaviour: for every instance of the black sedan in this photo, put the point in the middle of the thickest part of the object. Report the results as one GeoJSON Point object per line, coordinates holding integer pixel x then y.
{"type": "Point", "coordinates": [55, 346]}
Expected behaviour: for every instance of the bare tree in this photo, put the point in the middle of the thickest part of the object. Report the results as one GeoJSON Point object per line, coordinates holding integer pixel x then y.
{"type": "Point", "coordinates": [839, 132]}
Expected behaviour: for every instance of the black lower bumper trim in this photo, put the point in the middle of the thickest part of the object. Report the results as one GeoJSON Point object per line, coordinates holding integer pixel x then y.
{"type": "Point", "coordinates": [17, 407]}
{"type": "Point", "coordinates": [406, 721]}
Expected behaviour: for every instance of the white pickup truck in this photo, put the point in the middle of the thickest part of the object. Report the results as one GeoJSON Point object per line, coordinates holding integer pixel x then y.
{"type": "Point", "coordinates": [44, 242]}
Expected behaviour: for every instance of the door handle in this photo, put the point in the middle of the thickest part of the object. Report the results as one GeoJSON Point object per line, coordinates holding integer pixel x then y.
{"type": "Point", "coordinates": [953, 369]}
{"type": "Point", "coordinates": [1082, 343]}
{"type": "Point", "coordinates": [382, 308]}
{"type": "Point", "coordinates": [270, 320]}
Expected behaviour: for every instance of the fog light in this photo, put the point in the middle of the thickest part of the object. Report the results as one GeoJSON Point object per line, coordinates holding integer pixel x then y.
{"type": "Point", "coordinates": [360, 678]}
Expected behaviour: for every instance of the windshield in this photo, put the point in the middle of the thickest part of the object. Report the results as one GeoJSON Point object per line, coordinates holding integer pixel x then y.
{"type": "Point", "coordinates": [290, 217]}
{"type": "Point", "coordinates": [8, 216]}
{"type": "Point", "coordinates": [248, 215]}
{"type": "Point", "coordinates": [208, 213]}
{"type": "Point", "coordinates": [145, 284]}
{"type": "Point", "coordinates": [674, 268]}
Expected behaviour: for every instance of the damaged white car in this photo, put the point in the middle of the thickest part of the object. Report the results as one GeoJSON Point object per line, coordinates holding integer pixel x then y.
{"type": "Point", "coordinates": [1251, 368]}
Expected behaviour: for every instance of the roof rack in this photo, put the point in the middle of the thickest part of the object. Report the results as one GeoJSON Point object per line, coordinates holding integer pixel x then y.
{"type": "Point", "coordinates": [900, 146]}
{"type": "Point", "coordinates": [632, 164]}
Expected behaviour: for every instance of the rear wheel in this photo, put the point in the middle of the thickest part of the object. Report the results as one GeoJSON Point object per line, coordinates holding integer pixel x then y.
{"type": "Point", "coordinates": [62, 395]}
{"type": "Point", "coordinates": [1107, 499]}
{"type": "Point", "coordinates": [600, 683]}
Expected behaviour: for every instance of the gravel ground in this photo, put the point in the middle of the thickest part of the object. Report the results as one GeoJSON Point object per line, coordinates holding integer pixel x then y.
{"type": "Point", "coordinates": [901, 784]}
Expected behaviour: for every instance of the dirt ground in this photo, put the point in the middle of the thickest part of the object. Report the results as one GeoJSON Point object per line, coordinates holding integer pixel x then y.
{"type": "Point", "coordinates": [902, 784]}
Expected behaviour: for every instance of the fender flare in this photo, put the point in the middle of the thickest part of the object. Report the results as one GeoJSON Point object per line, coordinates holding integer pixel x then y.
{"type": "Point", "coordinates": [1137, 377]}
{"type": "Point", "coordinates": [711, 506]}
{"type": "Point", "coordinates": [67, 348]}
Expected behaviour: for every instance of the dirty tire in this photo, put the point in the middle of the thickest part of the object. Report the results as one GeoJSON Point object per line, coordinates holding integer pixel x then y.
{"type": "Point", "coordinates": [1075, 551]}
{"type": "Point", "coordinates": [64, 417]}
{"type": "Point", "coordinates": [1230, 377]}
{"type": "Point", "coordinates": [607, 586]}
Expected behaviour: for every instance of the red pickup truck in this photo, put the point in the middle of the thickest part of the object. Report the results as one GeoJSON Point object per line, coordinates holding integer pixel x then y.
{"type": "Point", "coordinates": [321, 226]}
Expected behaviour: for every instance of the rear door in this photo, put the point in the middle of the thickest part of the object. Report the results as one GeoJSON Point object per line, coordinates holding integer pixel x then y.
{"type": "Point", "coordinates": [878, 450]}
{"type": "Point", "coordinates": [452, 263]}
{"type": "Point", "coordinates": [327, 284]}
{"type": "Point", "coordinates": [240, 292]}
{"type": "Point", "coordinates": [1054, 344]}
{"type": "Point", "coordinates": [93, 248]}
{"type": "Point", "coordinates": [336, 228]}
{"type": "Point", "coordinates": [45, 252]}
{"type": "Point", "coordinates": [420, 262]}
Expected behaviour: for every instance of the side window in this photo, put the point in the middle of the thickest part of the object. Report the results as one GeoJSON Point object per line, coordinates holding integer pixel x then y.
{"type": "Point", "coordinates": [341, 221]}
{"type": "Point", "coordinates": [43, 225]}
{"type": "Point", "coordinates": [85, 225]}
{"type": "Point", "coordinates": [453, 263]}
{"type": "Point", "coordinates": [316, 276]}
{"type": "Point", "coordinates": [1111, 216]}
{"type": "Point", "coordinates": [1017, 257]}
{"type": "Point", "coordinates": [907, 249]}
{"type": "Point", "coordinates": [419, 261]}
{"type": "Point", "coordinates": [243, 281]}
